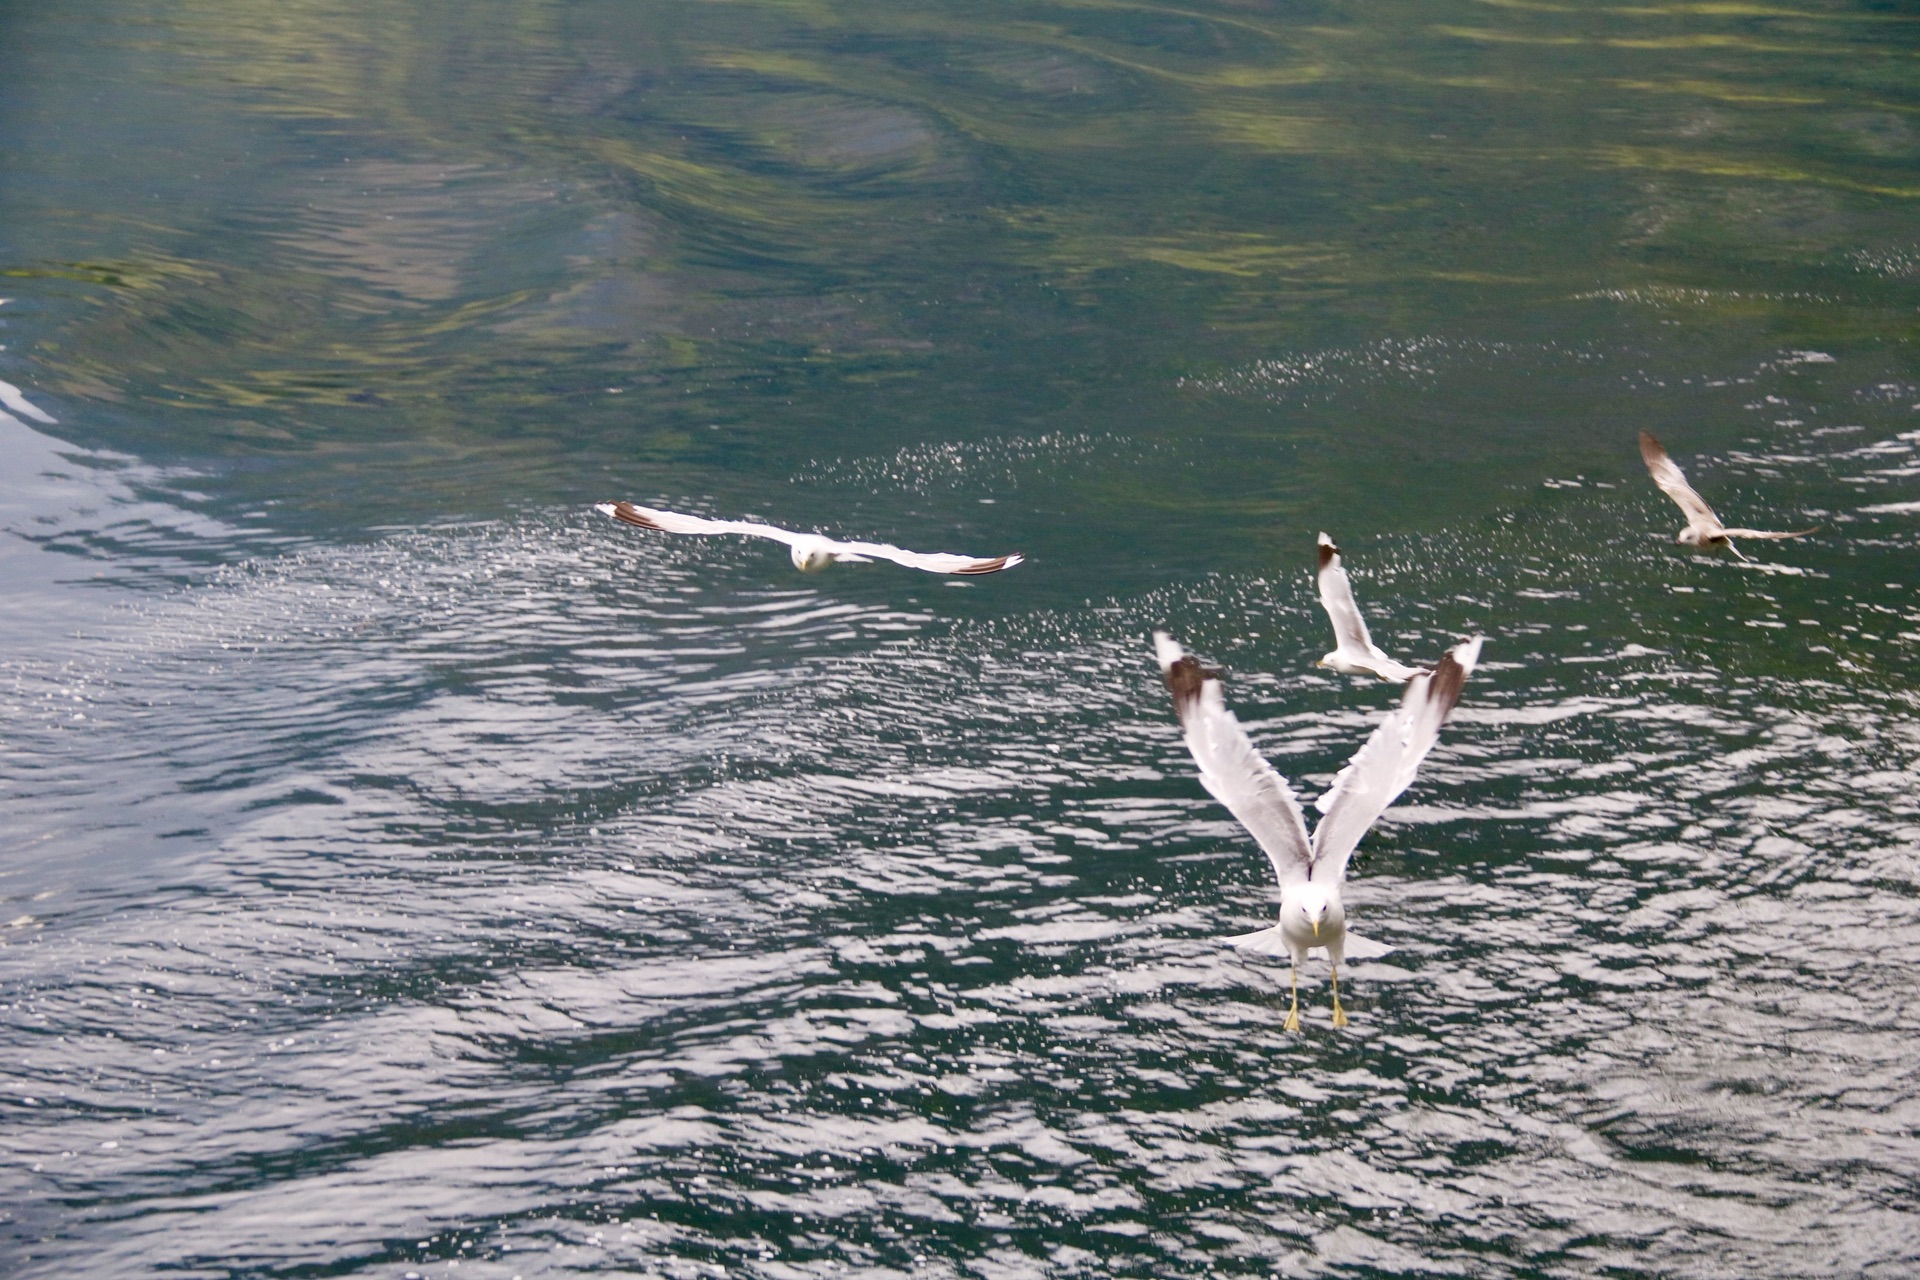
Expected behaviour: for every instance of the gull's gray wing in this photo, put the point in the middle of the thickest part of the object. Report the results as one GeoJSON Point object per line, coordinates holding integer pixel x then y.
{"type": "Point", "coordinates": [1385, 766]}
{"type": "Point", "coordinates": [931, 561]}
{"type": "Point", "coordinates": [1761, 533]}
{"type": "Point", "coordinates": [1396, 672]}
{"type": "Point", "coordinates": [673, 522]}
{"type": "Point", "coordinates": [1673, 482]}
{"type": "Point", "coordinates": [1336, 597]}
{"type": "Point", "coordinates": [1230, 768]}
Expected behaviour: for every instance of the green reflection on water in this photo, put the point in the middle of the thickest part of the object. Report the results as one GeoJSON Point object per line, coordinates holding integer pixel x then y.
{"type": "Point", "coordinates": [594, 233]}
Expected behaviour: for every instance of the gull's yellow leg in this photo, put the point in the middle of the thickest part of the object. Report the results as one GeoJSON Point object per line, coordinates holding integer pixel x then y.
{"type": "Point", "coordinates": [1293, 1014]}
{"type": "Point", "coordinates": [1339, 1014]}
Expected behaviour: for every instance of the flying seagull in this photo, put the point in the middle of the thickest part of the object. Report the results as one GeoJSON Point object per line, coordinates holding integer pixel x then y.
{"type": "Point", "coordinates": [1354, 652]}
{"type": "Point", "coordinates": [1310, 870]}
{"type": "Point", "coordinates": [810, 550]}
{"type": "Point", "coordinates": [1703, 527]}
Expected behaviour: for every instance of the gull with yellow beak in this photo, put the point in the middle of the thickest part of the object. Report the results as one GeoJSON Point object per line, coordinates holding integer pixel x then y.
{"type": "Point", "coordinates": [1310, 870]}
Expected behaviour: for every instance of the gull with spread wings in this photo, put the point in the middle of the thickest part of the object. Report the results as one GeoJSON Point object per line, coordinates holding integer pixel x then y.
{"type": "Point", "coordinates": [809, 550]}
{"type": "Point", "coordinates": [1703, 527]}
{"type": "Point", "coordinates": [1310, 870]}
{"type": "Point", "coordinates": [1354, 652]}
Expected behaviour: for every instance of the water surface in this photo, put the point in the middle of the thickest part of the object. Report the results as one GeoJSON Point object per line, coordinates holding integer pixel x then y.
{"type": "Point", "coordinates": [410, 872]}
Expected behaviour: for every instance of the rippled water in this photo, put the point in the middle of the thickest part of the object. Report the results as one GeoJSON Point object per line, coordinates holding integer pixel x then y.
{"type": "Point", "coordinates": [407, 871]}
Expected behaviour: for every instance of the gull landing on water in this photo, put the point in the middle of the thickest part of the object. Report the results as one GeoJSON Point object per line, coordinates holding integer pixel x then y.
{"type": "Point", "coordinates": [1703, 527]}
{"type": "Point", "coordinates": [1355, 653]}
{"type": "Point", "coordinates": [809, 550]}
{"type": "Point", "coordinates": [1310, 871]}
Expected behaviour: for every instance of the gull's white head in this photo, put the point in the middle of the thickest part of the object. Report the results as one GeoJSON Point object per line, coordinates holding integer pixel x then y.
{"type": "Point", "coordinates": [811, 554]}
{"type": "Point", "coordinates": [1317, 903]}
{"type": "Point", "coordinates": [1311, 913]}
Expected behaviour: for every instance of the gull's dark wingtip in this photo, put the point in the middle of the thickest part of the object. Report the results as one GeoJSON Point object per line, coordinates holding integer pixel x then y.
{"type": "Point", "coordinates": [626, 513]}
{"type": "Point", "coordinates": [1328, 550]}
{"type": "Point", "coordinates": [1445, 683]}
{"type": "Point", "coordinates": [1185, 679]}
{"type": "Point", "coordinates": [994, 565]}
{"type": "Point", "coordinates": [1184, 675]}
{"type": "Point", "coordinates": [1449, 675]}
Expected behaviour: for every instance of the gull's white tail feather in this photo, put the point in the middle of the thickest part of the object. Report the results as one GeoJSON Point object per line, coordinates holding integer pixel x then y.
{"type": "Point", "coordinates": [1262, 942]}
{"type": "Point", "coordinates": [1359, 948]}
{"type": "Point", "coordinates": [1268, 942]}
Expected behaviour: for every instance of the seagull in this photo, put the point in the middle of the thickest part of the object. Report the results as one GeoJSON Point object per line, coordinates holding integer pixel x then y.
{"type": "Point", "coordinates": [1354, 653]}
{"type": "Point", "coordinates": [1310, 870]}
{"type": "Point", "coordinates": [1703, 527]}
{"type": "Point", "coordinates": [810, 550]}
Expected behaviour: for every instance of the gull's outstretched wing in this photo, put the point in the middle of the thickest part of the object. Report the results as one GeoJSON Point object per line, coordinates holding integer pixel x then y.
{"type": "Point", "coordinates": [931, 561]}
{"type": "Point", "coordinates": [1673, 483]}
{"type": "Point", "coordinates": [1230, 768]}
{"type": "Point", "coordinates": [673, 522]}
{"type": "Point", "coordinates": [1761, 533]}
{"type": "Point", "coordinates": [1336, 597]}
{"type": "Point", "coordinates": [1385, 766]}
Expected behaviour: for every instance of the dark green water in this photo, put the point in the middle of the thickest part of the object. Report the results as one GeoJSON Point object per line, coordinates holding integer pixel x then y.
{"type": "Point", "coordinates": [408, 871]}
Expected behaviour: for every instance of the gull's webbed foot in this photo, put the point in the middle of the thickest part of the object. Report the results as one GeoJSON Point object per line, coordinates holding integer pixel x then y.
{"type": "Point", "coordinates": [1339, 1014]}
{"type": "Point", "coordinates": [1293, 1019]}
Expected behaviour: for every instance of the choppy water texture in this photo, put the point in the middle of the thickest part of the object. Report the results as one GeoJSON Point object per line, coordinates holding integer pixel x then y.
{"type": "Point", "coordinates": [409, 872]}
